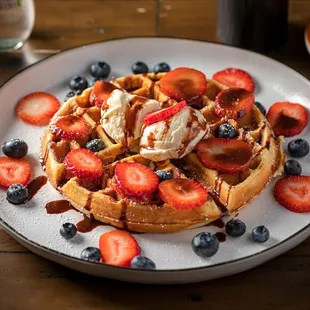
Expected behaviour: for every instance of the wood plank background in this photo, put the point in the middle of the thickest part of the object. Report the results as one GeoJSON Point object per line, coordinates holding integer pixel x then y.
{"type": "Point", "coordinates": [28, 282]}
{"type": "Point", "coordinates": [282, 283]}
{"type": "Point", "coordinates": [66, 23]}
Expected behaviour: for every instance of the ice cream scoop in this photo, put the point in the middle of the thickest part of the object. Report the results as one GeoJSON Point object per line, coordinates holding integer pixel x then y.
{"type": "Point", "coordinates": [173, 137]}
{"type": "Point", "coordinates": [122, 115]}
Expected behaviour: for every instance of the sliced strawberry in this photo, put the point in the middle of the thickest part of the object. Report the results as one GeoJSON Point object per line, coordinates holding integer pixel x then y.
{"type": "Point", "coordinates": [70, 127]}
{"type": "Point", "coordinates": [287, 119]}
{"type": "Point", "coordinates": [13, 171]}
{"type": "Point", "coordinates": [233, 102]}
{"type": "Point", "coordinates": [233, 77]}
{"type": "Point", "coordinates": [100, 92]}
{"type": "Point", "coordinates": [37, 108]}
{"type": "Point", "coordinates": [84, 164]}
{"type": "Point", "coordinates": [293, 193]}
{"type": "Point", "coordinates": [164, 113]}
{"type": "Point", "coordinates": [135, 180]}
{"type": "Point", "coordinates": [183, 84]}
{"type": "Point", "coordinates": [182, 193]}
{"type": "Point", "coordinates": [224, 155]}
{"type": "Point", "coordinates": [118, 248]}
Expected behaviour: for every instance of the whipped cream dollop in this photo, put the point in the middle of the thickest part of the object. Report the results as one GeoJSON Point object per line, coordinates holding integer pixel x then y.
{"type": "Point", "coordinates": [122, 115]}
{"type": "Point", "coordinates": [173, 137]}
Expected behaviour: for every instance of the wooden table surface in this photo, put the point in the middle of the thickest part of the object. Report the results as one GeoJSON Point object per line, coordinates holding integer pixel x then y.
{"type": "Point", "coordinates": [30, 282]}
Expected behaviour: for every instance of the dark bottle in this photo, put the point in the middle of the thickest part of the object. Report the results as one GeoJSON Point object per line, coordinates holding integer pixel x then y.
{"type": "Point", "coordinates": [258, 25]}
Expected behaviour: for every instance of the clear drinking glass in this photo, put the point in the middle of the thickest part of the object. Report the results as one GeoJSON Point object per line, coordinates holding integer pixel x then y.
{"type": "Point", "coordinates": [16, 23]}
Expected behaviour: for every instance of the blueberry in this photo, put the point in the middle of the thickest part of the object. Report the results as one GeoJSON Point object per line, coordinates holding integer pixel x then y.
{"type": "Point", "coordinates": [161, 67]}
{"type": "Point", "coordinates": [163, 175]}
{"type": "Point", "coordinates": [298, 148]}
{"type": "Point", "coordinates": [205, 244]}
{"type": "Point", "coordinates": [139, 67]}
{"type": "Point", "coordinates": [95, 145]}
{"type": "Point", "coordinates": [292, 167]}
{"type": "Point", "coordinates": [100, 70]}
{"type": "Point", "coordinates": [142, 262]}
{"type": "Point", "coordinates": [227, 131]}
{"type": "Point", "coordinates": [17, 194]}
{"type": "Point", "coordinates": [260, 234]}
{"type": "Point", "coordinates": [91, 254]}
{"type": "Point", "coordinates": [69, 95]}
{"type": "Point", "coordinates": [260, 107]}
{"type": "Point", "coordinates": [78, 83]}
{"type": "Point", "coordinates": [235, 228]}
{"type": "Point", "coordinates": [15, 148]}
{"type": "Point", "coordinates": [68, 230]}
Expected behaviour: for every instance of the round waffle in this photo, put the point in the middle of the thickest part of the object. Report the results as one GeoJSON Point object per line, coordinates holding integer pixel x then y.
{"type": "Point", "coordinates": [98, 199]}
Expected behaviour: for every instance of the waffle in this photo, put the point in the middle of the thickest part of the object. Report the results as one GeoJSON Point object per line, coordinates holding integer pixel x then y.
{"type": "Point", "coordinates": [97, 199]}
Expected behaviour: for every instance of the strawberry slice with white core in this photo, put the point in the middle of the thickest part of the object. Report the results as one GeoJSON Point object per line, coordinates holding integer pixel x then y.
{"type": "Point", "coordinates": [233, 77]}
{"type": "Point", "coordinates": [224, 155]}
{"type": "Point", "coordinates": [100, 92]}
{"type": "Point", "coordinates": [287, 119]}
{"type": "Point", "coordinates": [37, 108]}
{"type": "Point", "coordinates": [234, 103]}
{"type": "Point", "coordinates": [135, 180]}
{"type": "Point", "coordinates": [164, 113]}
{"type": "Point", "coordinates": [293, 193]}
{"type": "Point", "coordinates": [14, 171]}
{"type": "Point", "coordinates": [70, 127]}
{"type": "Point", "coordinates": [118, 248]}
{"type": "Point", "coordinates": [182, 193]}
{"type": "Point", "coordinates": [183, 84]}
{"type": "Point", "coordinates": [83, 164]}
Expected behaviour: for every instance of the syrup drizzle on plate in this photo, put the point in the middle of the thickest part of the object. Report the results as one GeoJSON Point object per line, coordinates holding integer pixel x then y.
{"type": "Point", "coordinates": [221, 237]}
{"type": "Point", "coordinates": [58, 207]}
{"type": "Point", "coordinates": [33, 187]}
{"type": "Point", "coordinates": [219, 223]}
{"type": "Point", "coordinates": [87, 224]}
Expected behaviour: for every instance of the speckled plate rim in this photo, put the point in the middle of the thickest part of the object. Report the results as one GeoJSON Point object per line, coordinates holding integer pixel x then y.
{"type": "Point", "coordinates": [265, 255]}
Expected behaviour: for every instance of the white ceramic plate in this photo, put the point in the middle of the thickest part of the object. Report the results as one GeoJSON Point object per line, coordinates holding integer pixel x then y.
{"type": "Point", "coordinates": [307, 37]}
{"type": "Point", "coordinates": [175, 260]}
